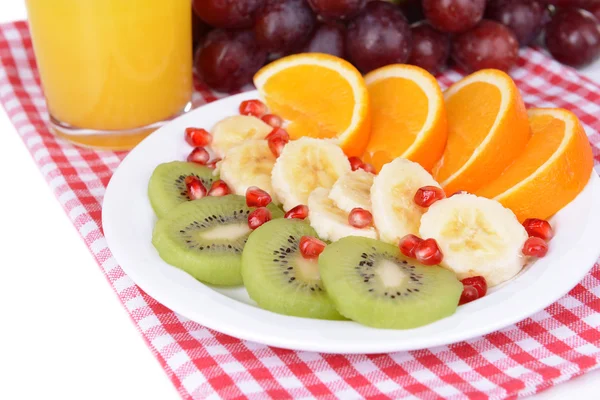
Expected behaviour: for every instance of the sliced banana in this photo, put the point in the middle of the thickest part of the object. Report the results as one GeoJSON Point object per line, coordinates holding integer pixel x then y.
{"type": "Point", "coordinates": [232, 131]}
{"type": "Point", "coordinates": [248, 164]}
{"type": "Point", "coordinates": [330, 222]}
{"type": "Point", "coordinates": [304, 165]}
{"type": "Point", "coordinates": [353, 190]}
{"type": "Point", "coordinates": [477, 236]}
{"type": "Point", "coordinates": [392, 198]}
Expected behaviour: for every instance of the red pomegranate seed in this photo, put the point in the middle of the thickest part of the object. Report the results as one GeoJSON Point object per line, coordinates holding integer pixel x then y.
{"type": "Point", "coordinates": [428, 252]}
{"type": "Point", "coordinates": [219, 188]}
{"type": "Point", "coordinates": [256, 108]}
{"type": "Point", "coordinates": [355, 163]}
{"type": "Point", "coordinates": [427, 195]}
{"type": "Point", "coordinates": [199, 156]}
{"type": "Point", "coordinates": [258, 217]}
{"type": "Point", "coordinates": [369, 168]}
{"type": "Point", "coordinates": [311, 247]}
{"type": "Point", "coordinates": [298, 212]}
{"type": "Point", "coordinates": [360, 218]}
{"type": "Point", "coordinates": [278, 133]}
{"type": "Point", "coordinates": [256, 197]}
{"type": "Point", "coordinates": [274, 120]}
{"type": "Point", "coordinates": [539, 228]}
{"type": "Point", "coordinates": [276, 145]}
{"type": "Point", "coordinates": [459, 192]}
{"type": "Point", "coordinates": [535, 247]}
{"type": "Point", "coordinates": [408, 244]}
{"type": "Point", "coordinates": [197, 137]}
{"type": "Point", "coordinates": [474, 288]}
{"type": "Point", "coordinates": [213, 163]}
{"type": "Point", "coordinates": [195, 188]}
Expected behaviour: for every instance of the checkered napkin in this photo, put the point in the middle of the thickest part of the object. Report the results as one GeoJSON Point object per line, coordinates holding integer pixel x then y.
{"type": "Point", "coordinates": [552, 346]}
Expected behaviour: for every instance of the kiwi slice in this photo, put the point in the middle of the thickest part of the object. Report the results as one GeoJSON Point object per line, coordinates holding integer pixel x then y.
{"type": "Point", "coordinates": [205, 237]}
{"type": "Point", "coordinates": [278, 278]}
{"type": "Point", "coordinates": [372, 283]}
{"type": "Point", "coordinates": [166, 188]}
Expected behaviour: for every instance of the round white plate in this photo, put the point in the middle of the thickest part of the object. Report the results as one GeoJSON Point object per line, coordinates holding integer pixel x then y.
{"type": "Point", "coordinates": [128, 220]}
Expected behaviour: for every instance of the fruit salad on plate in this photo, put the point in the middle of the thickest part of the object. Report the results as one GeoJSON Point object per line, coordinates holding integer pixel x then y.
{"type": "Point", "coordinates": [379, 199]}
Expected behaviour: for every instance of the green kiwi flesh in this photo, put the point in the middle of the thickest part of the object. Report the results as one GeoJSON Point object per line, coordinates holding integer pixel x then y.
{"type": "Point", "coordinates": [372, 283]}
{"type": "Point", "coordinates": [278, 278]}
{"type": "Point", "coordinates": [166, 188]}
{"type": "Point", "coordinates": [206, 237]}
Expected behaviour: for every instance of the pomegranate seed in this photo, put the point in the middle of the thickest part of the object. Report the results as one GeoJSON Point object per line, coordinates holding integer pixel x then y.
{"type": "Point", "coordinates": [459, 192]}
{"type": "Point", "coordinates": [276, 145]}
{"type": "Point", "coordinates": [408, 244]}
{"type": "Point", "coordinates": [199, 156]}
{"type": "Point", "coordinates": [256, 108]}
{"type": "Point", "coordinates": [256, 197]}
{"type": "Point", "coordinates": [195, 188]}
{"type": "Point", "coordinates": [197, 137]}
{"type": "Point", "coordinates": [474, 288]}
{"type": "Point", "coordinates": [258, 217]}
{"type": "Point", "coordinates": [535, 247]}
{"type": "Point", "coordinates": [369, 168]}
{"type": "Point", "coordinates": [274, 120]}
{"type": "Point", "coordinates": [311, 247]}
{"type": "Point", "coordinates": [355, 163]}
{"type": "Point", "coordinates": [427, 195]}
{"type": "Point", "coordinates": [213, 163]}
{"type": "Point", "coordinates": [298, 212]}
{"type": "Point", "coordinates": [539, 228]}
{"type": "Point", "coordinates": [428, 252]}
{"type": "Point", "coordinates": [278, 132]}
{"type": "Point", "coordinates": [360, 218]}
{"type": "Point", "coordinates": [219, 188]}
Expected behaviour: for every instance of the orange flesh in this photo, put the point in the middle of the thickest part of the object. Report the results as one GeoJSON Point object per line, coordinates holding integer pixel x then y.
{"type": "Point", "coordinates": [289, 97]}
{"type": "Point", "coordinates": [548, 134]}
{"type": "Point", "coordinates": [466, 133]}
{"type": "Point", "coordinates": [391, 128]}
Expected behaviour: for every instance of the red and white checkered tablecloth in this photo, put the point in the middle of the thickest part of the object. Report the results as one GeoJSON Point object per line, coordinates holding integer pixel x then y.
{"type": "Point", "coordinates": [552, 346]}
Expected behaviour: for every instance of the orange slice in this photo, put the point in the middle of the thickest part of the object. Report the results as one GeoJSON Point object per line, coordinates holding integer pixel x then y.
{"type": "Point", "coordinates": [321, 96]}
{"type": "Point", "coordinates": [554, 167]}
{"type": "Point", "coordinates": [408, 116]}
{"type": "Point", "coordinates": [487, 130]}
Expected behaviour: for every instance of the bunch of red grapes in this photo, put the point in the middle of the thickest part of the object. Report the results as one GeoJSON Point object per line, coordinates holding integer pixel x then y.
{"type": "Point", "coordinates": [234, 38]}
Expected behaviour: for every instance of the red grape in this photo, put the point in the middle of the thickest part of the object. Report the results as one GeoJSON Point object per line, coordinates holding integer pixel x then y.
{"type": "Point", "coordinates": [430, 48]}
{"type": "Point", "coordinates": [228, 13]}
{"type": "Point", "coordinates": [488, 45]}
{"type": "Point", "coordinates": [453, 15]}
{"type": "Point", "coordinates": [413, 10]}
{"type": "Point", "coordinates": [337, 9]}
{"type": "Point", "coordinates": [573, 37]}
{"type": "Point", "coordinates": [327, 38]}
{"type": "Point", "coordinates": [596, 11]}
{"type": "Point", "coordinates": [378, 36]}
{"type": "Point", "coordinates": [227, 60]}
{"type": "Point", "coordinates": [524, 17]}
{"type": "Point", "coordinates": [199, 29]}
{"type": "Point", "coordinates": [284, 25]}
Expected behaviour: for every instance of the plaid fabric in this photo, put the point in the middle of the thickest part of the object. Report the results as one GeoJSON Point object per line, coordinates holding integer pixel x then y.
{"type": "Point", "coordinates": [552, 346]}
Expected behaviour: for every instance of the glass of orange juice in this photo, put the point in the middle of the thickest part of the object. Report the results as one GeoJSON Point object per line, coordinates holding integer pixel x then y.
{"type": "Point", "coordinates": [112, 70]}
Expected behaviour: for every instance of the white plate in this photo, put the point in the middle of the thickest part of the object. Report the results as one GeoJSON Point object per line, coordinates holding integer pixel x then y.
{"type": "Point", "coordinates": [128, 221]}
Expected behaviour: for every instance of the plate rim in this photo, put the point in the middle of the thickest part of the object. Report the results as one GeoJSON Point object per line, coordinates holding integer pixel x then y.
{"type": "Point", "coordinates": [111, 200]}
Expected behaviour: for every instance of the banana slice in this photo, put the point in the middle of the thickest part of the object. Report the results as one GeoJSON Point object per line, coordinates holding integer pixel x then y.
{"type": "Point", "coordinates": [353, 190]}
{"type": "Point", "coordinates": [248, 164]}
{"type": "Point", "coordinates": [304, 165]}
{"type": "Point", "coordinates": [232, 131]}
{"type": "Point", "coordinates": [394, 211]}
{"type": "Point", "coordinates": [330, 222]}
{"type": "Point", "coordinates": [477, 236]}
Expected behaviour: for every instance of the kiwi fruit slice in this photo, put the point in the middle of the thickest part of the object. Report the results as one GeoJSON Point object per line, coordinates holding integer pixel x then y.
{"type": "Point", "coordinates": [205, 237]}
{"type": "Point", "coordinates": [278, 278]}
{"type": "Point", "coordinates": [166, 188]}
{"type": "Point", "coordinates": [372, 283]}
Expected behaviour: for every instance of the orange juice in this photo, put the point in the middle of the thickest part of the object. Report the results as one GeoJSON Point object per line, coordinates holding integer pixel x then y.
{"type": "Point", "coordinates": [112, 69]}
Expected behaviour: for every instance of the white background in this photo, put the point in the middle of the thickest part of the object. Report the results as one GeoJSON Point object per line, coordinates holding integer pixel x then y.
{"type": "Point", "coordinates": [63, 332]}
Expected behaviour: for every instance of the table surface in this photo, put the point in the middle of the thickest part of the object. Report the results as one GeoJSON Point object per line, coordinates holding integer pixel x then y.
{"type": "Point", "coordinates": [88, 345]}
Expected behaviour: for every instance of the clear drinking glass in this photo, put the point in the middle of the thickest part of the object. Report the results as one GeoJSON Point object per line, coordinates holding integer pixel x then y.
{"type": "Point", "coordinates": [112, 70]}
